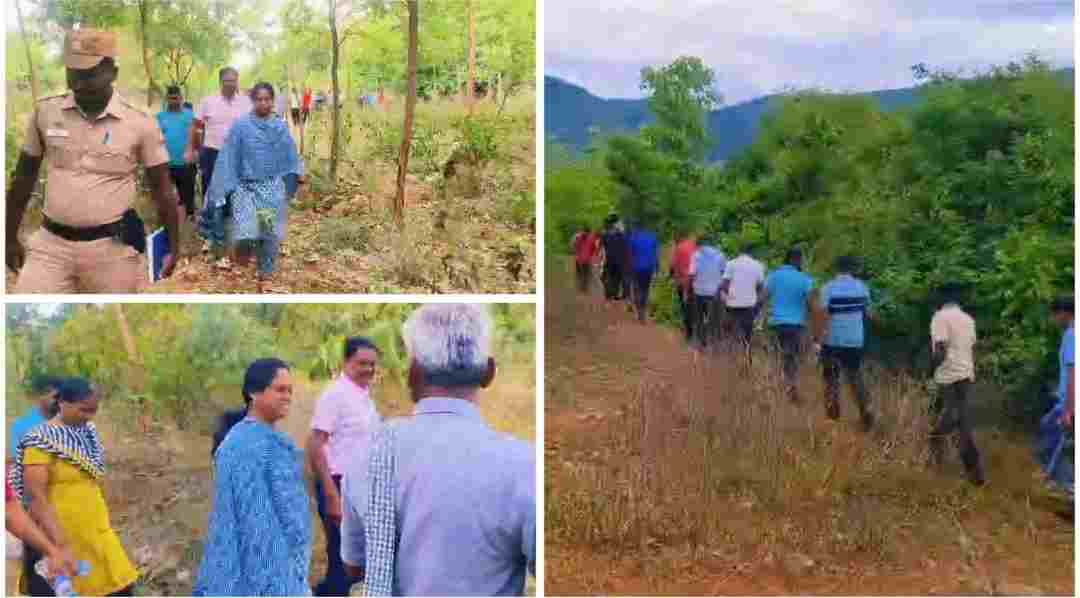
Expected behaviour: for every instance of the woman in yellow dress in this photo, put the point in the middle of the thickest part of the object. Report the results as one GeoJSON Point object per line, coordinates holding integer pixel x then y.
{"type": "Point", "coordinates": [59, 469]}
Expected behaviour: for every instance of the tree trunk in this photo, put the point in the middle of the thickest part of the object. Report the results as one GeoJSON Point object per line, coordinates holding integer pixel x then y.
{"type": "Point", "coordinates": [143, 9]}
{"type": "Point", "coordinates": [470, 89]}
{"type": "Point", "coordinates": [336, 110]}
{"type": "Point", "coordinates": [410, 106]}
{"type": "Point", "coordinates": [29, 57]}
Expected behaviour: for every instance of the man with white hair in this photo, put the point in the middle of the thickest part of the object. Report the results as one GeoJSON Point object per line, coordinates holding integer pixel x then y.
{"type": "Point", "coordinates": [445, 506]}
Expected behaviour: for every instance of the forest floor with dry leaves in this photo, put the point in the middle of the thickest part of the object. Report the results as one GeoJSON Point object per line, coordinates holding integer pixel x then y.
{"type": "Point", "coordinates": [473, 231]}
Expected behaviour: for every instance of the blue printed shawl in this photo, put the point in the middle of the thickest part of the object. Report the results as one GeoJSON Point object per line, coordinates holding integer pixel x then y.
{"type": "Point", "coordinates": [255, 149]}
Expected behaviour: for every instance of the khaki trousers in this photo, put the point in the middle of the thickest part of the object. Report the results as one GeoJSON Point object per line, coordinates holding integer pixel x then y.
{"type": "Point", "coordinates": [56, 265]}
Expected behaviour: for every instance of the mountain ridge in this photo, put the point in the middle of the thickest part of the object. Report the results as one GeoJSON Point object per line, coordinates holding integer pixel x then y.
{"type": "Point", "coordinates": [572, 115]}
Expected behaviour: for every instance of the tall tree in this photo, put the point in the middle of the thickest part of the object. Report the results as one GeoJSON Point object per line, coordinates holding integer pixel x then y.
{"type": "Point", "coordinates": [335, 109]}
{"type": "Point", "coordinates": [680, 95]}
{"type": "Point", "coordinates": [470, 86]}
{"type": "Point", "coordinates": [145, 9]}
{"type": "Point", "coordinates": [410, 107]}
{"type": "Point", "coordinates": [29, 58]}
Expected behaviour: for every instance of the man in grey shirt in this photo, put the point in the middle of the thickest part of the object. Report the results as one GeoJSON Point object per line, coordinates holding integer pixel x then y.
{"type": "Point", "coordinates": [445, 506]}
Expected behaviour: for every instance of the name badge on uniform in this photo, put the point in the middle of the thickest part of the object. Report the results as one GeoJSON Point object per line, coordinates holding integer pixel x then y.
{"type": "Point", "coordinates": [57, 133]}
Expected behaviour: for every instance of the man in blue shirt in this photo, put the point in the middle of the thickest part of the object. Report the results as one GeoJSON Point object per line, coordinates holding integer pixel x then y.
{"type": "Point", "coordinates": [644, 258]}
{"type": "Point", "coordinates": [1055, 448]}
{"type": "Point", "coordinates": [706, 274]}
{"type": "Point", "coordinates": [445, 506]}
{"type": "Point", "coordinates": [43, 390]}
{"type": "Point", "coordinates": [787, 289]}
{"type": "Point", "coordinates": [846, 302]}
{"type": "Point", "coordinates": [175, 122]}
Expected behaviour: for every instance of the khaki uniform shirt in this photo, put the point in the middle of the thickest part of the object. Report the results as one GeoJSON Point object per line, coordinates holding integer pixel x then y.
{"type": "Point", "coordinates": [952, 326]}
{"type": "Point", "coordinates": [91, 165]}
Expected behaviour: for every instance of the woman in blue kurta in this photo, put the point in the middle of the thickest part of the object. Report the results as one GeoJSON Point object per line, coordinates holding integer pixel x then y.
{"type": "Point", "coordinates": [259, 535]}
{"type": "Point", "coordinates": [260, 169]}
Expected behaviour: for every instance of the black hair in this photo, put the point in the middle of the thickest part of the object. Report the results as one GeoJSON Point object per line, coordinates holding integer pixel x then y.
{"type": "Point", "coordinates": [845, 264]}
{"type": "Point", "coordinates": [43, 383]}
{"type": "Point", "coordinates": [746, 247]}
{"type": "Point", "coordinates": [950, 292]}
{"type": "Point", "coordinates": [257, 378]}
{"type": "Point", "coordinates": [793, 254]}
{"type": "Point", "coordinates": [355, 343]}
{"type": "Point", "coordinates": [225, 70]}
{"type": "Point", "coordinates": [73, 390]}
{"type": "Point", "coordinates": [1066, 303]}
{"type": "Point", "coordinates": [261, 85]}
{"type": "Point", "coordinates": [172, 90]}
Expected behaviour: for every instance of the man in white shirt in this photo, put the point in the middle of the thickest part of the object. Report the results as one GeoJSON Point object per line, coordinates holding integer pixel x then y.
{"type": "Point", "coordinates": [342, 429]}
{"type": "Point", "coordinates": [952, 342]}
{"type": "Point", "coordinates": [743, 286]}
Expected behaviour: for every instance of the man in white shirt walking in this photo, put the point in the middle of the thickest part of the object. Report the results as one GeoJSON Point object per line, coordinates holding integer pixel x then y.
{"type": "Point", "coordinates": [952, 340]}
{"type": "Point", "coordinates": [743, 283]}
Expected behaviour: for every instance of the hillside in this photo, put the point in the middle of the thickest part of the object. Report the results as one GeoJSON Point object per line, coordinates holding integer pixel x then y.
{"type": "Point", "coordinates": [571, 113]}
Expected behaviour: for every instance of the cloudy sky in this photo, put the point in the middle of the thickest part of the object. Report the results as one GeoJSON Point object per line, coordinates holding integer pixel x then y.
{"type": "Point", "coordinates": [757, 47]}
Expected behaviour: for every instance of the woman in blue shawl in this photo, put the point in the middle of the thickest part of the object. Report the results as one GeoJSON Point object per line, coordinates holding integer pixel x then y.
{"type": "Point", "coordinates": [258, 540]}
{"type": "Point", "coordinates": [261, 171]}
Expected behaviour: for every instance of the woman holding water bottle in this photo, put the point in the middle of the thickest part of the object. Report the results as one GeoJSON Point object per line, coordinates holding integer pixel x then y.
{"type": "Point", "coordinates": [58, 471]}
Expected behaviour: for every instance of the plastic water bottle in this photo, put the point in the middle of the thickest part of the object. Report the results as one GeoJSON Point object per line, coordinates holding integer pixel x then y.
{"type": "Point", "coordinates": [61, 584]}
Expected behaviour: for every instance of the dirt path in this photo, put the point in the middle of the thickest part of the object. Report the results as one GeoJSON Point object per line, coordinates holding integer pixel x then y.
{"type": "Point", "coordinates": [861, 525]}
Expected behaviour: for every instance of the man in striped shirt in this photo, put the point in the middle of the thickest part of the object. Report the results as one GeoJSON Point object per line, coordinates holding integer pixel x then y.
{"type": "Point", "coordinates": [846, 302]}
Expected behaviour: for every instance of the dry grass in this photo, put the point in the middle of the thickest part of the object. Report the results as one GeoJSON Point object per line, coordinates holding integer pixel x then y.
{"type": "Point", "coordinates": [675, 473]}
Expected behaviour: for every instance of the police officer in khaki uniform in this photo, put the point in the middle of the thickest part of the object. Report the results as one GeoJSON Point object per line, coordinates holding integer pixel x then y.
{"type": "Point", "coordinates": [91, 238]}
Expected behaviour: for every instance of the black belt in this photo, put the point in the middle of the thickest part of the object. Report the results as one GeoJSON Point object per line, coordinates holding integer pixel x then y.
{"type": "Point", "coordinates": [92, 233]}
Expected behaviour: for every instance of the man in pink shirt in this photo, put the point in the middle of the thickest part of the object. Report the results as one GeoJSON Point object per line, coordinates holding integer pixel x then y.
{"type": "Point", "coordinates": [342, 428]}
{"type": "Point", "coordinates": [212, 122]}
{"type": "Point", "coordinates": [679, 270]}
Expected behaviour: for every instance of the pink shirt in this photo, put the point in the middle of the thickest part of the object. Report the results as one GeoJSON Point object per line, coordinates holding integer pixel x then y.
{"type": "Point", "coordinates": [218, 114]}
{"type": "Point", "coordinates": [346, 412]}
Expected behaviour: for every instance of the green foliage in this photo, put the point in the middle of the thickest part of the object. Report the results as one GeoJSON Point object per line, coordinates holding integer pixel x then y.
{"type": "Point", "coordinates": [186, 354]}
{"type": "Point", "coordinates": [972, 184]}
{"type": "Point", "coordinates": [680, 96]}
{"type": "Point", "coordinates": [480, 135]}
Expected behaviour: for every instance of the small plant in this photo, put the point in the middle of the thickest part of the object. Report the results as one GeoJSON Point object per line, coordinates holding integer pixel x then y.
{"type": "Point", "coordinates": [343, 233]}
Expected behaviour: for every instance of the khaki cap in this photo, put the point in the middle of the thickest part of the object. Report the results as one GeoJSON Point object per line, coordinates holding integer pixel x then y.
{"type": "Point", "coordinates": [84, 48]}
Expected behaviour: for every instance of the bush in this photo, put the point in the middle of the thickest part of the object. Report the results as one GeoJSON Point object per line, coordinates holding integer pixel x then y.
{"type": "Point", "coordinates": [343, 233]}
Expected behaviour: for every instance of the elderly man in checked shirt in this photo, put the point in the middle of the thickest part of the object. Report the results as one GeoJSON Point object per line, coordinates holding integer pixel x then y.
{"type": "Point", "coordinates": [445, 506]}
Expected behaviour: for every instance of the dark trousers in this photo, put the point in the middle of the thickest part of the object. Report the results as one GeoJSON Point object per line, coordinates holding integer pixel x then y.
{"type": "Point", "coordinates": [706, 312]}
{"type": "Point", "coordinates": [739, 326]}
{"type": "Point", "coordinates": [686, 308]}
{"type": "Point", "coordinates": [184, 179]}
{"type": "Point", "coordinates": [787, 339]}
{"type": "Point", "coordinates": [955, 418]}
{"type": "Point", "coordinates": [613, 281]}
{"type": "Point", "coordinates": [336, 582]}
{"type": "Point", "coordinates": [848, 359]}
{"type": "Point", "coordinates": [642, 282]}
{"type": "Point", "coordinates": [207, 158]}
{"type": "Point", "coordinates": [584, 277]}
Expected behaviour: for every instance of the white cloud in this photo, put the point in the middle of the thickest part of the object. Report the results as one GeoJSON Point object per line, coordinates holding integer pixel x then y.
{"type": "Point", "coordinates": [758, 47]}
